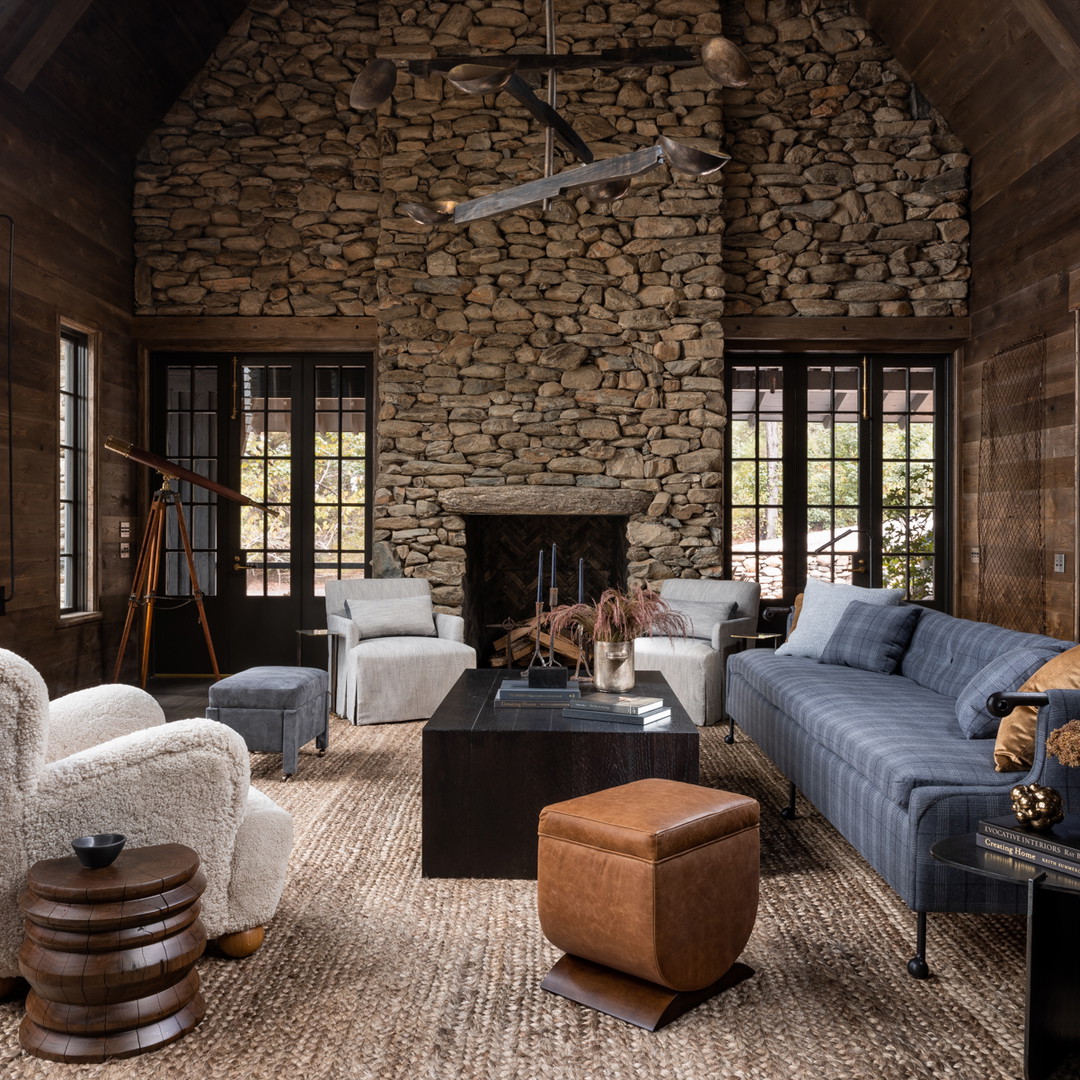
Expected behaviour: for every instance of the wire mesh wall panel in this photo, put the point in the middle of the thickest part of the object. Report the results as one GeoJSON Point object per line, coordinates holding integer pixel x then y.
{"type": "Point", "coordinates": [1011, 558]}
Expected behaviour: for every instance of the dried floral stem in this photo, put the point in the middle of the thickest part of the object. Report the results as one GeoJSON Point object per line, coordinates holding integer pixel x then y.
{"type": "Point", "coordinates": [619, 616]}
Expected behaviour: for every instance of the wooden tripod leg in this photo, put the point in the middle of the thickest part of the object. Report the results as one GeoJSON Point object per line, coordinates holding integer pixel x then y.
{"type": "Point", "coordinates": [157, 544]}
{"type": "Point", "coordinates": [138, 582]}
{"type": "Point", "coordinates": [197, 592]}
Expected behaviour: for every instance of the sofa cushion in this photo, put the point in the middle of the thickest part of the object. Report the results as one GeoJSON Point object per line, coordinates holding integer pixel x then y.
{"type": "Point", "coordinates": [871, 636]}
{"type": "Point", "coordinates": [407, 616]}
{"type": "Point", "coordinates": [946, 652]}
{"type": "Point", "coordinates": [897, 734]}
{"type": "Point", "coordinates": [823, 605]}
{"type": "Point", "coordinates": [1005, 672]}
{"type": "Point", "coordinates": [1014, 750]}
{"type": "Point", "coordinates": [702, 615]}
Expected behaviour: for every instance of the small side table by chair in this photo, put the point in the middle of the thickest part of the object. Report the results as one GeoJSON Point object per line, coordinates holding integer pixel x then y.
{"type": "Point", "coordinates": [110, 954]}
{"type": "Point", "coordinates": [321, 632]}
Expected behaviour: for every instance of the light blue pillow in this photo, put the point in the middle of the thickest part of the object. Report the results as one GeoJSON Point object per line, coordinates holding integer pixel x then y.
{"type": "Point", "coordinates": [1006, 672]}
{"type": "Point", "coordinates": [824, 604]}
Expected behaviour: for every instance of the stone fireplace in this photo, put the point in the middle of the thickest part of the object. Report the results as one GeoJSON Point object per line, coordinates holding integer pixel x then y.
{"type": "Point", "coordinates": [506, 528]}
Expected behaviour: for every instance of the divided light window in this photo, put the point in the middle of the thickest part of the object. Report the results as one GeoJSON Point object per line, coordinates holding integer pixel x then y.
{"type": "Point", "coordinates": [74, 457]}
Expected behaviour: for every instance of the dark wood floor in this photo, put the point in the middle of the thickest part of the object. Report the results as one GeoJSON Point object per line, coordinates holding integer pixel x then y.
{"type": "Point", "coordinates": [181, 698]}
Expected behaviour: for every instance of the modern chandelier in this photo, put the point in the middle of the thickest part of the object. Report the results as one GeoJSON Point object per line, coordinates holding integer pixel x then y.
{"type": "Point", "coordinates": [598, 181]}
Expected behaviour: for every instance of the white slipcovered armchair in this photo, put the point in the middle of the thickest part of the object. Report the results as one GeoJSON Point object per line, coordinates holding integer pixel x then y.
{"type": "Point", "coordinates": [104, 760]}
{"type": "Point", "coordinates": [694, 665]}
{"type": "Point", "coordinates": [396, 659]}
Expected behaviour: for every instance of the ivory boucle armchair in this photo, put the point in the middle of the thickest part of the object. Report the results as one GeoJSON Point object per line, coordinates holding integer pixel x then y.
{"type": "Point", "coordinates": [104, 760]}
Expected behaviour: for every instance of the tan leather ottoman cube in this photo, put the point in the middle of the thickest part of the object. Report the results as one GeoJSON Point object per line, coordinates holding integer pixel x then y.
{"type": "Point", "coordinates": [651, 889]}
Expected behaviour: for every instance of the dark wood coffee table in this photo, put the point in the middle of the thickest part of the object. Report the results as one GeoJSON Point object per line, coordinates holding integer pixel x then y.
{"type": "Point", "coordinates": [488, 772]}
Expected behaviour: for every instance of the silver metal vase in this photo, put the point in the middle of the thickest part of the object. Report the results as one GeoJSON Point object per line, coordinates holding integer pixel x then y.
{"type": "Point", "coordinates": [613, 666]}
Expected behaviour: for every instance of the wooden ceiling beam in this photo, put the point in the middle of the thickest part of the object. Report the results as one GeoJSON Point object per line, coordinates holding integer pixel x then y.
{"type": "Point", "coordinates": [45, 40]}
{"type": "Point", "coordinates": [878, 334]}
{"type": "Point", "coordinates": [1061, 45]}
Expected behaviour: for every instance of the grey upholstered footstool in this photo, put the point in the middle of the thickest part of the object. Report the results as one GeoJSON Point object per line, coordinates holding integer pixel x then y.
{"type": "Point", "coordinates": [275, 709]}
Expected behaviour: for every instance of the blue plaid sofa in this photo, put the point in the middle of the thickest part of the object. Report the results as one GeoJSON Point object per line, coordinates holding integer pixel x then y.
{"type": "Point", "coordinates": [884, 759]}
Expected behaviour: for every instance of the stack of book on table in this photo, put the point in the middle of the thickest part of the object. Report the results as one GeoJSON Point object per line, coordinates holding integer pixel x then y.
{"type": "Point", "coordinates": [618, 708]}
{"type": "Point", "coordinates": [518, 694]}
{"type": "Point", "coordinates": [1056, 848]}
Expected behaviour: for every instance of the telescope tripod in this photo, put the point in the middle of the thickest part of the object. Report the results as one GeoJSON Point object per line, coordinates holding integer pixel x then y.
{"type": "Point", "coordinates": [147, 569]}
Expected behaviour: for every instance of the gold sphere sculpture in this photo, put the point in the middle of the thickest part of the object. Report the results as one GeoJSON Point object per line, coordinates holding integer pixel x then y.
{"type": "Point", "coordinates": [1036, 805]}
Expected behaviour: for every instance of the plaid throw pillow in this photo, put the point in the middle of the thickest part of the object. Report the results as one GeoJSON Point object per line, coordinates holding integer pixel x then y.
{"type": "Point", "coordinates": [871, 636]}
{"type": "Point", "coordinates": [1005, 672]}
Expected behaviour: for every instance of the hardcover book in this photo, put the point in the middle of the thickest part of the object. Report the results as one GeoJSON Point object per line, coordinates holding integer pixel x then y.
{"type": "Point", "coordinates": [1061, 840]}
{"type": "Point", "coordinates": [640, 720]}
{"type": "Point", "coordinates": [1029, 855]}
{"type": "Point", "coordinates": [624, 704]}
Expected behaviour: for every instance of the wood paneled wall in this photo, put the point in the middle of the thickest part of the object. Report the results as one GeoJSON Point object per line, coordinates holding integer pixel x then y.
{"type": "Point", "coordinates": [73, 261]}
{"type": "Point", "coordinates": [1006, 74]}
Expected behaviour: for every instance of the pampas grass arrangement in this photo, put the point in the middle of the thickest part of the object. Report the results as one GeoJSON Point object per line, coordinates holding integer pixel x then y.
{"type": "Point", "coordinates": [620, 616]}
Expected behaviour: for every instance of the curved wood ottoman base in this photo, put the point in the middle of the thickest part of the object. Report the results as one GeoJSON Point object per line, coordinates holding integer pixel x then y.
{"type": "Point", "coordinates": [626, 997]}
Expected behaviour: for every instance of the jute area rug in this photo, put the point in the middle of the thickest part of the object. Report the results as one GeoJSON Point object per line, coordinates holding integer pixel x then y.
{"type": "Point", "coordinates": [371, 972]}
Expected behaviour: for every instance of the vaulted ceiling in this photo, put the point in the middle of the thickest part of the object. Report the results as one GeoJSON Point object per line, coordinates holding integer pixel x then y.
{"type": "Point", "coordinates": [109, 69]}
{"type": "Point", "coordinates": [1005, 73]}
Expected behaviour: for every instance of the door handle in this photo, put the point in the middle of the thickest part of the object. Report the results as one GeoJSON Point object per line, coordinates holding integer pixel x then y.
{"type": "Point", "coordinates": [238, 565]}
{"type": "Point", "coordinates": [858, 566]}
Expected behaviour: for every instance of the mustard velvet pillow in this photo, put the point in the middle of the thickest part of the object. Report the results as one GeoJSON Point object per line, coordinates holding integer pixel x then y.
{"type": "Point", "coordinates": [1014, 750]}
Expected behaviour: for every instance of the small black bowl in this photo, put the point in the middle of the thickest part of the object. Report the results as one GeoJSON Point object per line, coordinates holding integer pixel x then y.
{"type": "Point", "coordinates": [98, 850]}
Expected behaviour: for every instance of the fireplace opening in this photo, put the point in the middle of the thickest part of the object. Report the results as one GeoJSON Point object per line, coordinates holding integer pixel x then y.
{"type": "Point", "coordinates": [501, 563]}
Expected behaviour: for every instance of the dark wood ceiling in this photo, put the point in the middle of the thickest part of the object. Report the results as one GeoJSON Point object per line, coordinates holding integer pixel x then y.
{"type": "Point", "coordinates": [1004, 73]}
{"type": "Point", "coordinates": [107, 69]}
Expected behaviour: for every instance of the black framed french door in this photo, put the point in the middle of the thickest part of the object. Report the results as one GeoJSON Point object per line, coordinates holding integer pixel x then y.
{"type": "Point", "coordinates": [291, 433]}
{"type": "Point", "coordinates": [837, 469]}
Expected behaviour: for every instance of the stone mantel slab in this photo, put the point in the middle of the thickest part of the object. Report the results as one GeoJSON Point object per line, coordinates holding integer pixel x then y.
{"type": "Point", "coordinates": [529, 499]}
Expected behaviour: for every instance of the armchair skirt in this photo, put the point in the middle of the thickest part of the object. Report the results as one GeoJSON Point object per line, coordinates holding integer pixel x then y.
{"type": "Point", "coordinates": [392, 678]}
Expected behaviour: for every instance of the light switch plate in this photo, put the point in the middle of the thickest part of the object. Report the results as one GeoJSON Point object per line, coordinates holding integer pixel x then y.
{"type": "Point", "coordinates": [1059, 563]}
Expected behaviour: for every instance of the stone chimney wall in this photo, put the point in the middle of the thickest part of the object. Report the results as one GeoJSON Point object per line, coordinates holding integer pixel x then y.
{"type": "Point", "coordinates": [846, 195]}
{"type": "Point", "coordinates": [572, 351]}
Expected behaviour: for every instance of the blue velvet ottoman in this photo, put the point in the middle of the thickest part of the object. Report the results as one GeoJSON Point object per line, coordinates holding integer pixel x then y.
{"type": "Point", "coordinates": [275, 709]}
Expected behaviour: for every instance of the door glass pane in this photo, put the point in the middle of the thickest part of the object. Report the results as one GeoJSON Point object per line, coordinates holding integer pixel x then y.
{"type": "Point", "coordinates": [908, 486]}
{"type": "Point", "coordinates": [757, 474]}
{"type": "Point", "coordinates": [340, 467]}
{"type": "Point", "coordinates": [266, 476]}
{"type": "Point", "coordinates": [832, 472]}
{"type": "Point", "coordinates": [191, 419]}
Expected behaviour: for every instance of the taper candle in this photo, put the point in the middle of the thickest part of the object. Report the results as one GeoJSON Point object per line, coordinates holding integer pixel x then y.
{"type": "Point", "coordinates": [553, 566]}
{"type": "Point", "coordinates": [539, 576]}
{"type": "Point", "coordinates": [580, 580]}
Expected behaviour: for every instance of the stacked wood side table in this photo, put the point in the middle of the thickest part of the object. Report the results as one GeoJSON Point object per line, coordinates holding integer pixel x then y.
{"type": "Point", "coordinates": [110, 954]}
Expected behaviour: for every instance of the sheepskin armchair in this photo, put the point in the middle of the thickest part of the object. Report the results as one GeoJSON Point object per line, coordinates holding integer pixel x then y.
{"type": "Point", "coordinates": [186, 782]}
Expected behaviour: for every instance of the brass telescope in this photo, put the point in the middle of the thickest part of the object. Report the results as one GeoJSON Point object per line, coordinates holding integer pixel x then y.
{"type": "Point", "coordinates": [171, 470]}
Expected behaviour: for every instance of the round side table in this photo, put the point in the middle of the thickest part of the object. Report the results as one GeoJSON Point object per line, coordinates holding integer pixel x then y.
{"type": "Point", "coordinates": [110, 954]}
